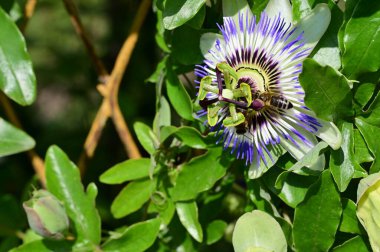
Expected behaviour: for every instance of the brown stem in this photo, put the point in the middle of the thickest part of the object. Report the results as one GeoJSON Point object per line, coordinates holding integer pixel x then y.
{"type": "Point", "coordinates": [37, 162]}
{"type": "Point", "coordinates": [29, 7]}
{"type": "Point", "coordinates": [77, 23]}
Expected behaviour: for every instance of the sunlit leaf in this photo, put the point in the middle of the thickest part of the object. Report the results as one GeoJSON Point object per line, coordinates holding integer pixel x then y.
{"type": "Point", "coordinates": [146, 137]}
{"type": "Point", "coordinates": [215, 231]}
{"type": "Point", "coordinates": [258, 231]}
{"type": "Point", "coordinates": [178, 12]}
{"type": "Point", "coordinates": [355, 244]}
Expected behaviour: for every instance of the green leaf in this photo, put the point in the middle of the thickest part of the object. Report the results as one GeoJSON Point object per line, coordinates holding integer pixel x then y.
{"type": "Point", "coordinates": [231, 8]}
{"type": "Point", "coordinates": [136, 238]}
{"type": "Point", "coordinates": [372, 116]}
{"type": "Point", "coordinates": [327, 50]}
{"type": "Point", "coordinates": [259, 6]}
{"type": "Point", "coordinates": [13, 140]}
{"type": "Point", "coordinates": [326, 84]}
{"type": "Point", "coordinates": [17, 79]}
{"type": "Point", "coordinates": [349, 222]}
{"type": "Point", "coordinates": [371, 135]}
{"type": "Point", "coordinates": [178, 95]}
{"type": "Point", "coordinates": [362, 153]}
{"type": "Point", "coordinates": [63, 180]}
{"type": "Point", "coordinates": [191, 137]}
{"type": "Point", "coordinates": [292, 187]}
{"type": "Point", "coordinates": [188, 215]}
{"type": "Point", "coordinates": [355, 244]}
{"type": "Point", "coordinates": [125, 171]}
{"type": "Point", "coordinates": [368, 208]}
{"type": "Point", "coordinates": [146, 137]}
{"type": "Point", "coordinates": [162, 118]}
{"type": "Point", "coordinates": [45, 245]}
{"type": "Point", "coordinates": [178, 12]}
{"type": "Point", "coordinates": [200, 174]}
{"type": "Point", "coordinates": [215, 231]}
{"type": "Point", "coordinates": [343, 162]}
{"type": "Point", "coordinates": [363, 94]}
{"type": "Point", "coordinates": [317, 218]}
{"type": "Point", "coordinates": [258, 231]}
{"type": "Point", "coordinates": [185, 45]}
{"type": "Point", "coordinates": [197, 21]}
{"type": "Point", "coordinates": [132, 197]}
{"type": "Point", "coordinates": [301, 8]}
{"type": "Point", "coordinates": [362, 45]}
{"type": "Point", "coordinates": [311, 163]}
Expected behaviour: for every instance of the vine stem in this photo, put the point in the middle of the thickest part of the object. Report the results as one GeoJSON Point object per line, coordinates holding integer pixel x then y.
{"type": "Point", "coordinates": [37, 162]}
{"type": "Point", "coordinates": [29, 7]}
{"type": "Point", "coordinates": [78, 26]}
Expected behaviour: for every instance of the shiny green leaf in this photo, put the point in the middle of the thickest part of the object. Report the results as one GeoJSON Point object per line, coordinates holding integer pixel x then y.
{"type": "Point", "coordinates": [125, 171]}
{"type": "Point", "coordinates": [318, 216]}
{"type": "Point", "coordinates": [138, 237]}
{"type": "Point", "coordinates": [162, 118]}
{"type": "Point", "coordinates": [258, 231]}
{"type": "Point", "coordinates": [146, 137]}
{"type": "Point", "coordinates": [17, 79]}
{"type": "Point", "coordinates": [362, 153]}
{"type": "Point", "coordinates": [191, 137]}
{"type": "Point", "coordinates": [178, 12]}
{"type": "Point", "coordinates": [362, 45]}
{"type": "Point", "coordinates": [349, 222]}
{"type": "Point", "coordinates": [132, 197]}
{"type": "Point", "coordinates": [363, 94]}
{"type": "Point", "coordinates": [371, 135]}
{"type": "Point", "coordinates": [45, 245]}
{"type": "Point", "coordinates": [355, 244]}
{"type": "Point", "coordinates": [178, 95]}
{"type": "Point", "coordinates": [188, 215]}
{"type": "Point", "coordinates": [185, 48]}
{"type": "Point", "coordinates": [343, 162]}
{"type": "Point", "coordinates": [13, 140]}
{"type": "Point", "coordinates": [326, 84]}
{"type": "Point", "coordinates": [63, 180]}
{"type": "Point", "coordinates": [200, 174]}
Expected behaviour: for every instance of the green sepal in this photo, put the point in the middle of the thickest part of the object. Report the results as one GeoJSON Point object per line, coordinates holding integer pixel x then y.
{"type": "Point", "coordinates": [230, 121]}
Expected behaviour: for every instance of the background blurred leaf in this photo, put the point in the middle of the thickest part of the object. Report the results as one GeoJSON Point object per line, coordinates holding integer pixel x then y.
{"type": "Point", "coordinates": [361, 45]}
{"type": "Point", "coordinates": [125, 171]}
{"type": "Point", "coordinates": [45, 245]}
{"type": "Point", "coordinates": [215, 231]}
{"type": "Point", "coordinates": [63, 180]}
{"type": "Point", "coordinates": [13, 140]}
{"type": "Point", "coordinates": [318, 216]}
{"type": "Point", "coordinates": [258, 231]}
{"type": "Point", "coordinates": [328, 85]}
{"type": "Point", "coordinates": [138, 237]}
{"type": "Point", "coordinates": [188, 215]}
{"type": "Point", "coordinates": [132, 197]}
{"type": "Point", "coordinates": [12, 218]}
{"type": "Point", "coordinates": [178, 12]}
{"type": "Point", "coordinates": [17, 79]}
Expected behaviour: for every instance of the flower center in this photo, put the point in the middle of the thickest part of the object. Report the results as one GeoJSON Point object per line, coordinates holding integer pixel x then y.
{"type": "Point", "coordinates": [253, 77]}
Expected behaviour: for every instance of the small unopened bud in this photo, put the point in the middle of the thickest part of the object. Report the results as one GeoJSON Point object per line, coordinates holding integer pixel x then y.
{"type": "Point", "coordinates": [46, 215]}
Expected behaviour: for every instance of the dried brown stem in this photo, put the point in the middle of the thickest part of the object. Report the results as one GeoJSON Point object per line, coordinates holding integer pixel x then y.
{"type": "Point", "coordinates": [110, 106]}
{"type": "Point", "coordinates": [37, 162]}
{"type": "Point", "coordinates": [77, 23]}
{"type": "Point", "coordinates": [29, 7]}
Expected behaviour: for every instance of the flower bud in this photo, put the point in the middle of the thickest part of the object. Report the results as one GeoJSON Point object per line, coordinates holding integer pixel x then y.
{"type": "Point", "coordinates": [46, 215]}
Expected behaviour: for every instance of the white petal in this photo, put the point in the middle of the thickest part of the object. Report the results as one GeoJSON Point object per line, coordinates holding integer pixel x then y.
{"type": "Point", "coordinates": [315, 24]}
{"type": "Point", "coordinates": [275, 7]}
{"type": "Point", "coordinates": [330, 134]}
